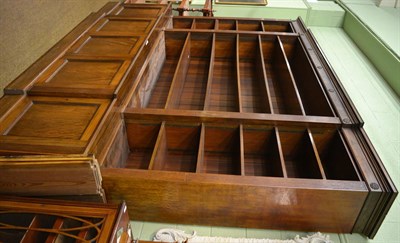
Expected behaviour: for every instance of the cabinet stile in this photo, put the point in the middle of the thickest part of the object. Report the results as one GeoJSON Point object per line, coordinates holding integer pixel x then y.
{"type": "Point", "coordinates": [179, 76]}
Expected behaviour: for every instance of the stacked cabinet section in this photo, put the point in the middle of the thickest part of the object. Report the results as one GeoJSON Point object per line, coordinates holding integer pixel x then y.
{"type": "Point", "coordinates": [235, 122]}
{"type": "Point", "coordinates": [241, 120]}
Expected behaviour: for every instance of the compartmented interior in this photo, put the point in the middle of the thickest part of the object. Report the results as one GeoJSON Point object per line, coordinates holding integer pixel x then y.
{"type": "Point", "coordinates": [234, 72]}
{"type": "Point", "coordinates": [229, 72]}
{"type": "Point", "coordinates": [247, 150]}
{"type": "Point", "coordinates": [232, 24]}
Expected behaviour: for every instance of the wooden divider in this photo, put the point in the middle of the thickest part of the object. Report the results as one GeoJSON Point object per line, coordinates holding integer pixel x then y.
{"type": "Point", "coordinates": [210, 75]}
{"type": "Point", "coordinates": [237, 68]}
{"type": "Point", "coordinates": [311, 92]}
{"type": "Point", "coordinates": [224, 90]}
{"type": "Point", "coordinates": [142, 138]}
{"type": "Point", "coordinates": [177, 148]}
{"type": "Point", "coordinates": [173, 47]}
{"type": "Point", "coordinates": [247, 150]}
{"type": "Point", "coordinates": [254, 95]}
{"type": "Point", "coordinates": [178, 80]}
{"type": "Point", "coordinates": [284, 96]}
{"type": "Point", "coordinates": [229, 24]}
{"type": "Point", "coordinates": [190, 89]}
{"type": "Point", "coordinates": [301, 158]}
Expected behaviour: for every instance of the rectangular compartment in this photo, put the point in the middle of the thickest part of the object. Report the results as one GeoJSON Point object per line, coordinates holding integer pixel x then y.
{"type": "Point", "coordinates": [204, 24]}
{"type": "Point", "coordinates": [274, 26]}
{"type": "Point", "coordinates": [300, 158]}
{"type": "Point", "coordinates": [250, 25]}
{"type": "Point", "coordinates": [221, 151]}
{"type": "Point", "coordinates": [159, 93]}
{"type": "Point", "coordinates": [284, 95]}
{"type": "Point", "coordinates": [335, 157]}
{"type": "Point", "coordinates": [190, 84]}
{"type": "Point", "coordinates": [253, 87]}
{"type": "Point", "coordinates": [313, 97]}
{"type": "Point", "coordinates": [223, 95]}
{"type": "Point", "coordinates": [182, 23]}
{"type": "Point", "coordinates": [177, 148]}
{"type": "Point", "coordinates": [142, 138]}
{"type": "Point", "coordinates": [261, 152]}
{"type": "Point", "coordinates": [226, 24]}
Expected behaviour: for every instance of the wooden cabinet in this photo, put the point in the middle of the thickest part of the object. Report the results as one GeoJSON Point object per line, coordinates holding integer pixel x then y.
{"type": "Point", "coordinates": [200, 120]}
{"type": "Point", "coordinates": [34, 220]}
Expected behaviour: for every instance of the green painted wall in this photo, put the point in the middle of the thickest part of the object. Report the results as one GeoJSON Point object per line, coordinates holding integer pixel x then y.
{"type": "Point", "coordinates": [385, 61]}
